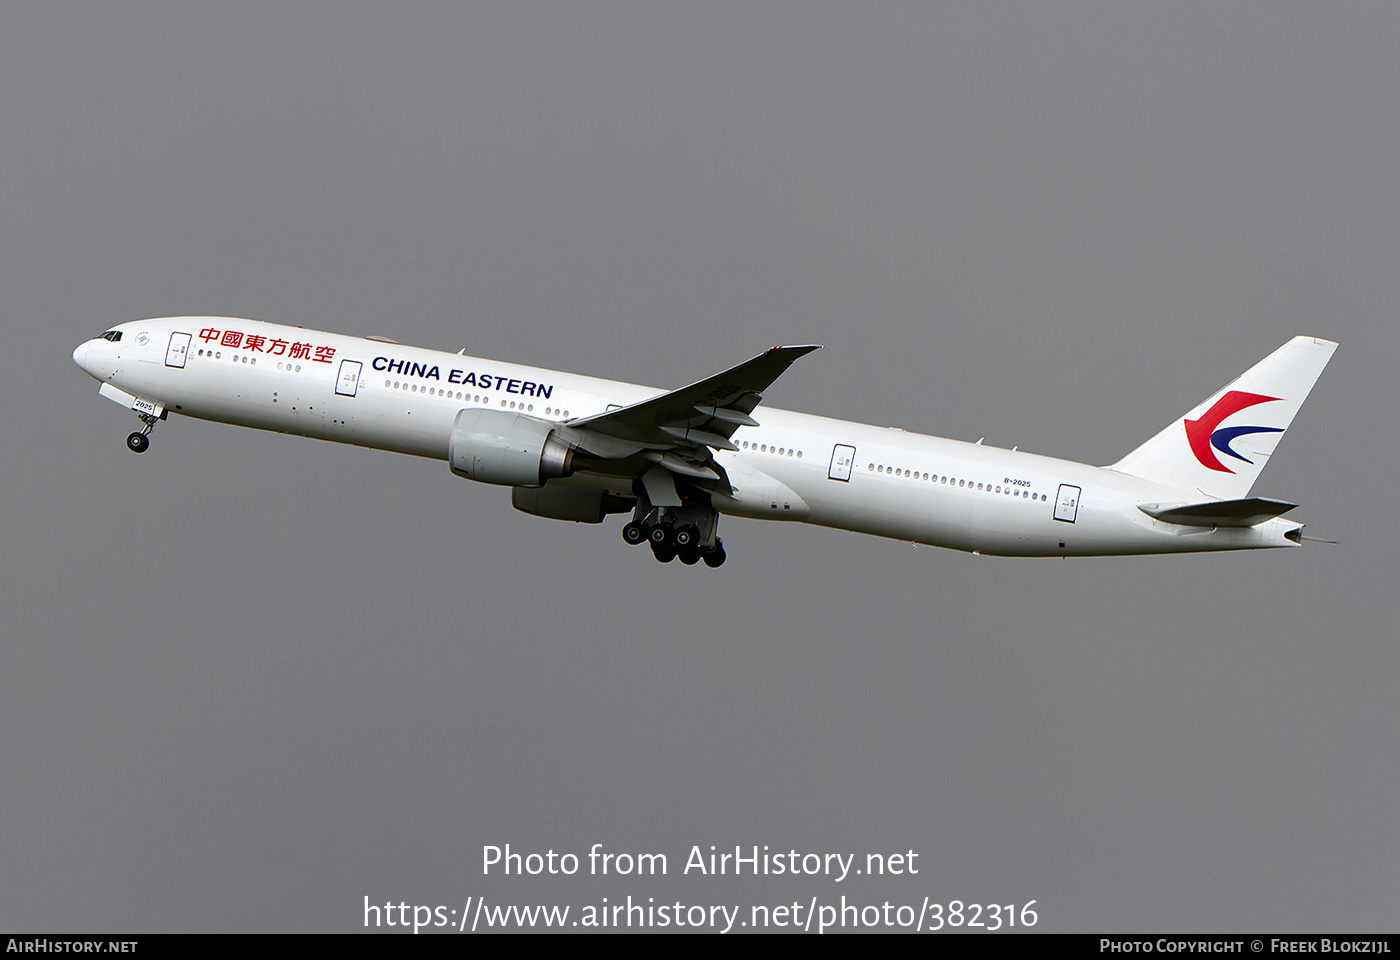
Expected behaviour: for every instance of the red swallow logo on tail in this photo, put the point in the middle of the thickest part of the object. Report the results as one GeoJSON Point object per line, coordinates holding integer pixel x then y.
{"type": "Point", "coordinates": [1203, 435]}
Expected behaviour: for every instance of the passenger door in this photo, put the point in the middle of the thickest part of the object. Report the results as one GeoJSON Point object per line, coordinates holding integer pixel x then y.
{"type": "Point", "coordinates": [843, 457]}
{"type": "Point", "coordinates": [178, 350]}
{"type": "Point", "coordinates": [1067, 503]}
{"type": "Point", "coordinates": [348, 382]}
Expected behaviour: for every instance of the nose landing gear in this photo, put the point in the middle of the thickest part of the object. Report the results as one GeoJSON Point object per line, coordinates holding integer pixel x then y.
{"type": "Point", "coordinates": [140, 441]}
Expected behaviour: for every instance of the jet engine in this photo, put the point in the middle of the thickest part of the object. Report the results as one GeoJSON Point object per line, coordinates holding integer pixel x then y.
{"type": "Point", "coordinates": [509, 448]}
{"type": "Point", "coordinates": [568, 503]}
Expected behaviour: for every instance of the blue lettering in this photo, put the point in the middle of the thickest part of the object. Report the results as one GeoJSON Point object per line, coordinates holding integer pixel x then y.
{"type": "Point", "coordinates": [527, 388]}
{"type": "Point", "coordinates": [513, 386]}
{"type": "Point", "coordinates": [470, 378]}
{"type": "Point", "coordinates": [377, 362]}
{"type": "Point", "coordinates": [415, 370]}
{"type": "Point", "coordinates": [433, 373]}
{"type": "Point", "coordinates": [452, 377]}
{"type": "Point", "coordinates": [499, 381]}
{"type": "Point", "coordinates": [395, 366]}
{"type": "Point", "coordinates": [543, 392]}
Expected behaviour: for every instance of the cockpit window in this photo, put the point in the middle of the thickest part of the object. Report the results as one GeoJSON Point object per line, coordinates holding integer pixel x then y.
{"type": "Point", "coordinates": [112, 335]}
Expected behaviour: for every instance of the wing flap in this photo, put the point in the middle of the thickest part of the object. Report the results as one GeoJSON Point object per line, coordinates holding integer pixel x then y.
{"type": "Point", "coordinates": [694, 435]}
{"type": "Point", "coordinates": [728, 415]}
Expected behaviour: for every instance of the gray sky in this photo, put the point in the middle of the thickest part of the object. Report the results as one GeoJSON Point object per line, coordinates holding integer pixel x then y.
{"type": "Point", "coordinates": [247, 680]}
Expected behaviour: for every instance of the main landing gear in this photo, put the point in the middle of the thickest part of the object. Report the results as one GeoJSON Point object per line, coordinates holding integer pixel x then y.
{"type": "Point", "coordinates": [685, 527]}
{"type": "Point", "coordinates": [670, 540]}
{"type": "Point", "coordinates": [140, 441]}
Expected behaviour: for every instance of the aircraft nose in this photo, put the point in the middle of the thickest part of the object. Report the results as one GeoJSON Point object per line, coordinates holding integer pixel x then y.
{"type": "Point", "coordinates": [80, 354]}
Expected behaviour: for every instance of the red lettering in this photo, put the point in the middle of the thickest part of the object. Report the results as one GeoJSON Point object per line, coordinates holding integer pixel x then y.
{"type": "Point", "coordinates": [232, 338]}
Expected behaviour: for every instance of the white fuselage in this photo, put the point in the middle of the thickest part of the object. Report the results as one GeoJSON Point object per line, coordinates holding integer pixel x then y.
{"type": "Point", "coordinates": [793, 466]}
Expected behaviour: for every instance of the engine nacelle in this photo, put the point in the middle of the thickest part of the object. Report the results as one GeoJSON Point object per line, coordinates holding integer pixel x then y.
{"type": "Point", "coordinates": [563, 502]}
{"type": "Point", "coordinates": [509, 448]}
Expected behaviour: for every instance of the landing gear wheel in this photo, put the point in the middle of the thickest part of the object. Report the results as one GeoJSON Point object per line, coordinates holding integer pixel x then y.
{"type": "Point", "coordinates": [715, 557]}
{"type": "Point", "coordinates": [634, 533]}
{"type": "Point", "coordinates": [137, 442]}
{"type": "Point", "coordinates": [660, 536]}
{"type": "Point", "coordinates": [690, 556]}
{"type": "Point", "coordinates": [665, 552]}
{"type": "Point", "coordinates": [686, 536]}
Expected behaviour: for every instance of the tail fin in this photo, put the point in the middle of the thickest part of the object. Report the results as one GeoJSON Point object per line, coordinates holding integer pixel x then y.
{"type": "Point", "coordinates": [1220, 447]}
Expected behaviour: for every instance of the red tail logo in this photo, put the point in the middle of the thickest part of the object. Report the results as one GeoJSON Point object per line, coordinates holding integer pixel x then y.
{"type": "Point", "coordinates": [1202, 434]}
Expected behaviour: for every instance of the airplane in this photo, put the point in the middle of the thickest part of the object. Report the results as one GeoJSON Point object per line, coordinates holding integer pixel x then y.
{"type": "Point", "coordinates": [580, 448]}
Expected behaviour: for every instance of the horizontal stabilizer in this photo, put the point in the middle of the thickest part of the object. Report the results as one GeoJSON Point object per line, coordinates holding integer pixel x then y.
{"type": "Point", "coordinates": [1219, 513]}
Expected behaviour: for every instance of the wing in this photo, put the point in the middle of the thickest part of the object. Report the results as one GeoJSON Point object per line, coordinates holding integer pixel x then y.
{"type": "Point", "coordinates": [677, 430]}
